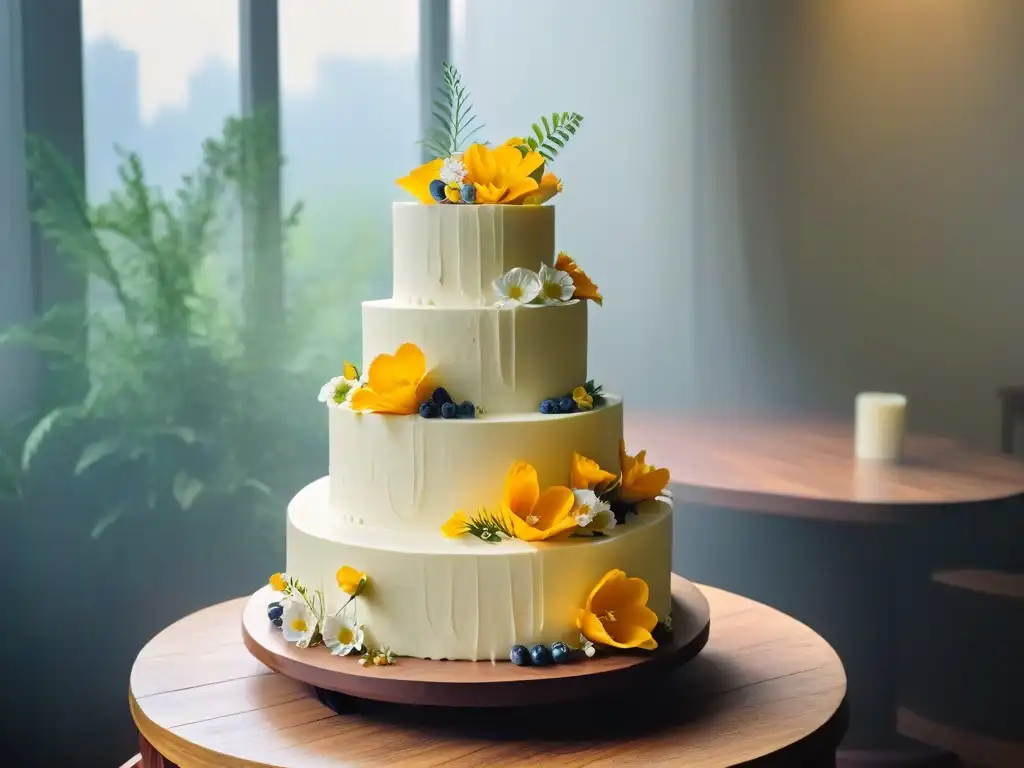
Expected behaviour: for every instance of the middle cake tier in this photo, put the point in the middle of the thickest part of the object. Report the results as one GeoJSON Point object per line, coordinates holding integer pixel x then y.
{"type": "Point", "coordinates": [407, 472]}
{"type": "Point", "coordinates": [504, 360]}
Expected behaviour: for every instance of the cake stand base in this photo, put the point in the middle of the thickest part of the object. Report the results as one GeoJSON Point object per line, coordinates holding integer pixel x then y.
{"type": "Point", "coordinates": [478, 683]}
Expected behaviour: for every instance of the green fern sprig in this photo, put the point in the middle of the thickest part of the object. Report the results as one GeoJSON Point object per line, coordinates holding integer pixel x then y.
{"type": "Point", "coordinates": [453, 116]}
{"type": "Point", "coordinates": [555, 133]}
{"type": "Point", "coordinates": [489, 527]}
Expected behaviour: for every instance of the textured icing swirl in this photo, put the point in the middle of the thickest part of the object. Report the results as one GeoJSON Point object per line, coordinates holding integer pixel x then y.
{"type": "Point", "coordinates": [449, 255]}
{"type": "Point", "coordinates": [506, 360]}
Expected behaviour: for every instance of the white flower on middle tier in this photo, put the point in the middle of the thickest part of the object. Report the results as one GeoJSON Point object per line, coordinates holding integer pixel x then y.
{"type": "Point", "coordinates": [342, 635]}
{"type": "Point", "coordinates": [517, 286]}
{"type": "Point", "coordinates": [592, 512]}
{"type": "Point", "coordinates": [338, 391]}
{"type": "Point", "coordinates": [298, 624]}
{"type": "Point", "coordinates": [556, 286]}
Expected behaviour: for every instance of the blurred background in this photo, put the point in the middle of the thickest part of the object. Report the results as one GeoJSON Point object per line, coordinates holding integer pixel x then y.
{"type": "Point", "coordinates": [797, 200]}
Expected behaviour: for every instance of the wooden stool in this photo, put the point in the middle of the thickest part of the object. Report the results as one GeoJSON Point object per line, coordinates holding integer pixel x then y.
{"type": "Point", "coordinates": [765, 690]}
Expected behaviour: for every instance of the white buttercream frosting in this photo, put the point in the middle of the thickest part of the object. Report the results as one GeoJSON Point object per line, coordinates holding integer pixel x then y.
{"type": "Point", "coordinates": [411, 473]}
{"type": "Point", "coordinates": [450, 255]}
{"type": "Point", "coordinates": [506, 360]}
{"type": "Point", "coordinates": [435, 597]}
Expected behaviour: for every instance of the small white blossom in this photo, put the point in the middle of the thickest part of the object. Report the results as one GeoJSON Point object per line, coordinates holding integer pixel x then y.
{"type": "Point", "coordinates": [342, 635]}
{"type": "Point", "coordinates": [591, 512]}
{"type": "Point", "coordinates": [453, 170]}
{"type": "Point", "coordinates": [555, 285]}
{"type": "Point", "coordinates": [338, 391]}
{"type": "Point", "coordinates": [517, 286]}
{"type": "Point", "coordinates": [298, 623]}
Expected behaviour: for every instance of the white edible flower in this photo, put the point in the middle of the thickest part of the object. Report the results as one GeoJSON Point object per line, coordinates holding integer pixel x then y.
{"type": "Point", "coordinates": [342, 635]}
{"type": "Point", "coordinates": [338, 390]}
{"type": "Point", "coordinates": [298, 623]}
{"type": "Point", "coordinates": [517, 286]}
{"type": "Point", "coordinates": [591, 512]}
{"type": "Point", "coordinates": [555, 285]}
{"type": "Point", "coordinates": [453, 170]}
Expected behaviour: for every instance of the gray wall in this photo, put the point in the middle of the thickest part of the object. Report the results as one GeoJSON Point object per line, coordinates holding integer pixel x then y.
{"type": "Point", "coordinates": [787, 201]}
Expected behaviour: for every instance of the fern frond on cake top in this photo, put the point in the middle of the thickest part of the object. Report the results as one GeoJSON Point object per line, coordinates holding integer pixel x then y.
{"type": "Point", "coordinates": [454, 121]}
{"type": "Point", "coordinates": [554, 135]}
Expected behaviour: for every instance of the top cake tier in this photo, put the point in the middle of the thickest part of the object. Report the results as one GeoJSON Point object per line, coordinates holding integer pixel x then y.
{"type": "Point", "coordinates": [449, 255]}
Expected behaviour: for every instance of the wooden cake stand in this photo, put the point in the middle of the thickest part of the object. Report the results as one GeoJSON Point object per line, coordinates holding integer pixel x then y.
{"type": "Point", "coordinates": [477, 684]}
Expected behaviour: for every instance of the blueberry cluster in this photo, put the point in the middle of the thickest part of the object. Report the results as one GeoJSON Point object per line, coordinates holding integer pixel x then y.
{"type": "Point", "coordinates": [275, 612]}
{"type": "Point", "coordinates": [441, 404]}
{"type": "Point", "coordinates": [541, 655]}
{"type": "Point", "coordinates": [561, 405]}
{"type": "Point", "coordinates": [452, 193]}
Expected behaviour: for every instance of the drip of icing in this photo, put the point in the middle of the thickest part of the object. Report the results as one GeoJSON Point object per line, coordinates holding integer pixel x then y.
{"type": "Point", "coordinates": [476, 624]}
{"type": "Point", "coordinates": [419, 451]}
{"type": "Point", "coordinates": [511, 601]}
{"type": "Point", "coordinates": [426, 599]}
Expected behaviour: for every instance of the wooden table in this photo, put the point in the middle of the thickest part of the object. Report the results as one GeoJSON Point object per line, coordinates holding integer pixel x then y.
{"type": "Point", "coordinates": [766, 690]}
{"type": "Point", "coordinates": [779, 509]}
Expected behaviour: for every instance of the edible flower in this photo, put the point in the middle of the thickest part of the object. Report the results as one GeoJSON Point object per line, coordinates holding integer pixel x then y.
{"type": "Point", "coordinates": [592, 512]}
{"type": "Point", "coordinates": [298, 623]}
{"type": "Point", "coordinates": [350, 581]}
{"type": "Point", "coordinates": [397, 383]}
{"type": "Point", "coordinates": [277, 582]}
{"type": "Point", "coordinates": [349, 371]}
{"type": "Point", "coordinates": [338, 390]}
{"type": "Point", "coordinates": [616, 613]}
{"type": "Point", "coordinates": [548, 186]}
{"type": "Point", "coordinates": [342, 635]}
{"type": "Point", "coordinates": [536, 516]}
{"type": "Point", "coordinates": [556, 286]}
{"type": "Point", "coordinates": [516, 287]}
{"type": "Point", "coordinates": [453, 170]}
{"type": "Point", "coordinates": [417, 183]}
{"type": "Point", "coordinates": [640, 480]}
{"type": "Point", "coordinates": [585, 473]}
{"type": "Point", "coordinates": [502, 175]}
{"type": "Point", "coordinates": [584, 286]}
{"type": "Point", "coordinates": [456, 525]}
{"type": "Point", "coordinates": [584, 400]}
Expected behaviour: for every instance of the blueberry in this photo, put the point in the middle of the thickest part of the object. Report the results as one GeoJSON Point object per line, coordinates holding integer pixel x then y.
{"type": "Point", "coordinates": [274, 612]}
{"type": "Point", "coordinates": [520, 656]}
{"type": "Point", "coordinates": [449, 410]}
{"type": "Point", "coordinates": [540, 655]}
{"type": "Point", "coordinates": [437, 190]}
{"type": "Point", "coordinates": [566, 405]}
{"type": "Point", "coordinates": [468, 193]}
{"type": "Point", "coordinates": [560, 653]}
{"type": "Point", "coordinates": [429, 410]}
{"type": "Point", "coordinates": [441, 396]}
{"type": "Point", "coordinates": [549, 406]}
{"type": "Point", "coordinates": [467, 410]}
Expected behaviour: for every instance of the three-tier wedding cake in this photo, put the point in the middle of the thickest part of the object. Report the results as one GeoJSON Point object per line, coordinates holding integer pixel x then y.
{"type": "Point", "coordinates": [481, 502]}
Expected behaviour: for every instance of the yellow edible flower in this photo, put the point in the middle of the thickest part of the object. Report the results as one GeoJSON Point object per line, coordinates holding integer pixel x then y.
{"type": "Point", "coordinates": [585, 288]}
{"type": "Point", "coordinates": [277, 582]}
{"type": "Point", "coordinates": [536, 516]}
{"type": "Point", "coordinates": [586, 474]}
{"type": "Point", "coordinates": [350, 580]}
{"type": "Point", "coordinates": [548, 186]}
{"type": "Point", "coordinates": [640, 481]}
{"type": "Point", "coordinates": [501, 175]}
{"type": "Point", "coordinates": [616, 613]}
{"type": "Point", "coordinates": [456, 525]}
{"type": "Point", "coordinates": [417, 183]}
{"type": "Point", "coordinates": [397, 383]}
{"type": "Point", "coordinates": [350, 372]}
{"type": "Point", "coordinates": [583, 398]}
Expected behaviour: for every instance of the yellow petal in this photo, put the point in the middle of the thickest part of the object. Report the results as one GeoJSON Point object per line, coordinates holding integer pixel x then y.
{"type": "Point", "coordinates": [350, 371]}
{"type": "Point", "coordinates": [456, 525]}
{"type": "Point", "coordinates": [521, 489]}
{"type": "Point", "coordinates": [548, 187]}
{"type": "Point", "coordinates": [520, 189]}
{"type": "Point", "coordinates": [619, 594]}
{"type": "Point", "coordinates": [480, 165]}
{"type": "Point", "coordinates": [585, 473]}
{"type": "Point", "coordinates": [530, 533]}
{"type": "Point", "coordinates": [417, 183]}
{"type": "Point", "coordinates": [564, 262]}
{"type": "Point", "coordinates": [349, 579]}
{"type": "Point", "coordinates": [645, 485]}
{"type": "Point", "coordinates": [515, 141]}
{"type": "Point", "coordinates": [553, 506]}
{"type": "Point", "coordinates": [489, 194]}
{"type": "Point", "coordinates": [592, 628]}
{"type": "Point", "coordinates": [612, 575]}
{"type": "Point", "coordinates": [627, 635]}
{"type": "Point", "coordinates": [364, 399]}
{"type": "Point", "coordinates": [277, 582]}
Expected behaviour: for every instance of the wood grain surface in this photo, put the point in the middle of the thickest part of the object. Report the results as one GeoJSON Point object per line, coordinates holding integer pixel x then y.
{"type": "Point", "coordinates": [765, 688]}
{"type": "Point", "coordinates": [969, 746]}
{"type": "Point", "coordinates": [467, 683]}
{"type": "Point", "coordinates": [805, 467]}
{"type": "Point", "coordinates": [997, 583]}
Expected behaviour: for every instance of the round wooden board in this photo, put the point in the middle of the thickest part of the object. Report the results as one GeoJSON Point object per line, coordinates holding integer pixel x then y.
{"type": "Point", "coordinates": [478, 683]}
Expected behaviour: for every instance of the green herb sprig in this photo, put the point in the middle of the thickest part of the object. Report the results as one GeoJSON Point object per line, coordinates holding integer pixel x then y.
{"type": "Point", "coordinates": [453, 116]}
{"type": "Point", "coordinates": [555, 133]}
{"type": "Point", "coordinates": [489, 527]}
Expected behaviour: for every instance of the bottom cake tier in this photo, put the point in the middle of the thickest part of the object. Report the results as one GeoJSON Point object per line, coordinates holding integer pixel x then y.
{"type": "Point", "coordinates": [434, 597]}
